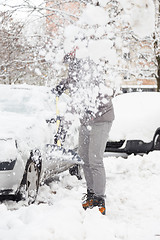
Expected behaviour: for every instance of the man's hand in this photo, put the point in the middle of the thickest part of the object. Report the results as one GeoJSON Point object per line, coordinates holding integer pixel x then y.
{"type": "Point", "coordinates": [58, 90]}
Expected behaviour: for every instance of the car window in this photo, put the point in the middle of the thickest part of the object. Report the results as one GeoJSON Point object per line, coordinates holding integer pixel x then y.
{"type": "Point", "coordinates": [24, 101]}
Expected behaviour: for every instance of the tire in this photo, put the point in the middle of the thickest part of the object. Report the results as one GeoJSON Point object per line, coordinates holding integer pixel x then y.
{"type": "Point", "coordinates": [30, 183]}
{"type": "Point", "coordinates": [156, 141]}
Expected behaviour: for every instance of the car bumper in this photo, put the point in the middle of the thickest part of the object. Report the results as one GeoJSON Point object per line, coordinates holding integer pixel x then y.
{"type": "Point", "coordinates": [10, 179]}
{"type": "Point", "coordinates": [123, 148]}
{"type": "Point", "coordinates": [115, 154]}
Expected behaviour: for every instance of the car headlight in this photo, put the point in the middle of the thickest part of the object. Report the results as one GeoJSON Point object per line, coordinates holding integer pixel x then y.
{"type": "Point", "coordinates": [7, 166]}
{"type": "Point", "coordinates": [8, 153]}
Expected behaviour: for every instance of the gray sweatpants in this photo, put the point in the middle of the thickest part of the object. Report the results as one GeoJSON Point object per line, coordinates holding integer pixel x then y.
{"type": "Point", "coordinates": [92, 142]}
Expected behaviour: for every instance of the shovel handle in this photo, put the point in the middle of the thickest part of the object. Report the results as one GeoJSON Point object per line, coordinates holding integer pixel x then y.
{"type": "Point", "coordinates": [58, 120]}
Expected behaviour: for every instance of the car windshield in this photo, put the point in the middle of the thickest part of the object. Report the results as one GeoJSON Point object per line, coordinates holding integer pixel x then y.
{"type": "Point", "coordinates": [22, 101]}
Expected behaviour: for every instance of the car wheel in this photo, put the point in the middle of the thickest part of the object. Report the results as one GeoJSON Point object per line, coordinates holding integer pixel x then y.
{"type": "Point", "coordinates": [30, 183]}
{"type": "Point", "coordinates": [156, 141]}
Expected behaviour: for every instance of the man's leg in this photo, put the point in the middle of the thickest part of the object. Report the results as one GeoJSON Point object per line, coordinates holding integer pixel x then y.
{"type": "Point", "coordinates": [98, 137]}
{"type": "Point", "coordinates": [83, 151]}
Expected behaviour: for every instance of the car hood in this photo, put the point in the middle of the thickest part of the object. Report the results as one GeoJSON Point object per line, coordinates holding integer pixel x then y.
{"type": "Point", "coordinates": [29, 132]}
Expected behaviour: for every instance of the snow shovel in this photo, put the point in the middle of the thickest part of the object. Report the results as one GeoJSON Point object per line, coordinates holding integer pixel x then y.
{"type": "Point", "coordinates": [57, 150]}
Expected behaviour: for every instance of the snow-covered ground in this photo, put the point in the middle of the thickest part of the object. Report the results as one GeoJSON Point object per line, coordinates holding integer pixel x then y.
{"type": "Point", "coordinates": [132, 189]}
{"type": "Point", "coordinates": [133, 212]}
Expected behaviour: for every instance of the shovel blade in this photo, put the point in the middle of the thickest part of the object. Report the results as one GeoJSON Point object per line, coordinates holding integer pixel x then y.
{"type": "Point", "coordinates": [62, 154]}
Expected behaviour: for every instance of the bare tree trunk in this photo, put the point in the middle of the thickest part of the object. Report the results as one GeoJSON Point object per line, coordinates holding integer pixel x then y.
{"type": "Point", "coordinates": [158, 50]}
{"type": "Point", "coordinates": [157, 42]}
{"type": "Point", "coordinates": [158, 73]}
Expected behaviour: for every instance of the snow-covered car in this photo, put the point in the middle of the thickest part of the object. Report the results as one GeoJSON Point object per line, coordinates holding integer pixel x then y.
{"type": "Point", "coordinates": [136, 128]}
{"type": "Point", "coordinates": [27, 148]}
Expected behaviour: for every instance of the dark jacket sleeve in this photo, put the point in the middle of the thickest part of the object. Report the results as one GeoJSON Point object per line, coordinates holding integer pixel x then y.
{"type": "Point", "coordinates": [61, 87]}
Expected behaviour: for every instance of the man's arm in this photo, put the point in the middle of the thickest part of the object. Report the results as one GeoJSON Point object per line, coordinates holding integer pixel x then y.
{"type": "Point", "coordinates": [61, 87]}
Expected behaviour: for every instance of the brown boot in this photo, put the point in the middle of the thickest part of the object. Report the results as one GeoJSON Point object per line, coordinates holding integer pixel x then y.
{"type": "Point", "coordinates": [91, 200]}
{"type": "Point", "coordinates": [88, 200]}
{"type": "Point", "coordinates": [100, 203]}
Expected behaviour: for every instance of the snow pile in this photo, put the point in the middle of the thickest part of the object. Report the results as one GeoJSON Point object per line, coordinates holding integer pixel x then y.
{"type": "Point", "coordinates": [94, 16]}
{"type": "Point", "coordinates": [24, 110]}
{"type": "Point", "coordinates": [99, 34]}
{"type": "Point", "coordinates": [137, 116]}
{"type": "Point", "coordinates": [133, 210]}
{"type": "Point", "coordinates": [141, 16]}
{"type": "Point", "coordinates": [102, 49]}
{"type": "Point", "coordinates": [88, 36]}
{"type": "Point", "coordinates": [94, 21]}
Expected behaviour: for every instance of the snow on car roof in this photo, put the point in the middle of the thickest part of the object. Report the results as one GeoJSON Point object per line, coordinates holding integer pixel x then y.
{"type": "Point", "coordinates": [23, 99]}
{"type": "Point", "coordinates": [137, 116]}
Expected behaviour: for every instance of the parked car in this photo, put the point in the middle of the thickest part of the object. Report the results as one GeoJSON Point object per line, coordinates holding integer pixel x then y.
{"type": "Point", "coordinates": [136, 128]}
{"type": "Point", "coordinates": [28, 153]}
